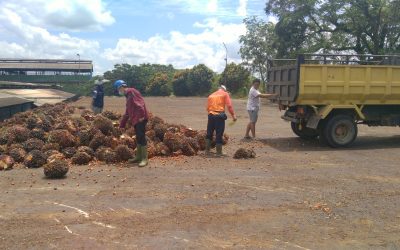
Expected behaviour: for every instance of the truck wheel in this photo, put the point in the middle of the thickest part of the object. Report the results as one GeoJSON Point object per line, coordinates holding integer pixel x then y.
{"type": "Point", "coordinates": [304, 132]}
{"type": "Point", "coordinates": [340, 131]}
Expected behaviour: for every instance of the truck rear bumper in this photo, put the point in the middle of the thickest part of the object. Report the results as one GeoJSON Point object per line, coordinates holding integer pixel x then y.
{"type": "Point", "coordinates": [311, 121]}
{"type": "Point", "coordinates": [290, 116]}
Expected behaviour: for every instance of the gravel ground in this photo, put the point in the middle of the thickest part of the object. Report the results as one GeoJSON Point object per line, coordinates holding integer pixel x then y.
{"type": "Point", "coordinates": [295, 195]}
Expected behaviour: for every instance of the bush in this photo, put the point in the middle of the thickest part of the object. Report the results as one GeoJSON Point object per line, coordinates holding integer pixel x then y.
{"type": "Point", "coordinates": [236, 77]}
{"type": "Point", "coordinates": [192, 82]}
{"type": "Point", "coordinates": [159, 85]}
{"type": "Point", "coordinates": [180, 83]}
{"type": "Point", "coordinates": [200, 80]}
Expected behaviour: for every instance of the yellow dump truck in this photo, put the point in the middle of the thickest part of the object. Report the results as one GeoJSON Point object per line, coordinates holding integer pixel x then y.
{"type": "Point", "coordinates": [326, 96]}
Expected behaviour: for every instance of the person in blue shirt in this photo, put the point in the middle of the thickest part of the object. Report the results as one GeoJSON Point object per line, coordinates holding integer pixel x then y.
{"type": "Point", "coordinates": [98, 96]}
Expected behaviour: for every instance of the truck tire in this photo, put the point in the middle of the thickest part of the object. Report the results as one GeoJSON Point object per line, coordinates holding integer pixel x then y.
{"type": "Point", "coordinates": [340, 131]}
{"type": "Point", "coordinates": [304, 132]}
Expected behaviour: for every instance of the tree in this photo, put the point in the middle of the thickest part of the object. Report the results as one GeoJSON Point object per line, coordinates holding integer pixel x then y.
{"type": "Point", "coordinates": [120, 71]}
{"type": "Point", "coordinates": [200, 80]}
{"type": "Point", "coordinates": [192, 82]}
{"type": "Point", "coordinates": [361, 26]}
{"type": "Point", "coordinates": [138, 76]}
{"type": "Point", "coordinates": [159, 85]}
{"type": "Point", "coordinates": [258, 45]}
{"type": "Point", "coordinates": [236, 77]}
{"type": "Point", "coordinates": [180, 83]}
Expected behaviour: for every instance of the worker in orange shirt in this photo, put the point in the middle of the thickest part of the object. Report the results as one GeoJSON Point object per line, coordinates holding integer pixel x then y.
{"type": "Point", "coordinates": [216, 117]}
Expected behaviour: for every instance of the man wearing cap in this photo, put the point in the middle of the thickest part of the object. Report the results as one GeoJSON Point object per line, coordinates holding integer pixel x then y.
{"type": "Point", "coordinates": [253, 106]}
{"type": "Point", "coordinates": [216, 104]}
{"type": "Point", "coordinates": [136, 113]}
{"type": "Point", "coordinates": [98, 95]}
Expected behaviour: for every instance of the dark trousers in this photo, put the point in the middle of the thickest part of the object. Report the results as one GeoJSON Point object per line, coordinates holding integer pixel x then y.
{"type": "Point", "coordinates": [217, 124]}
{"type": "Point", "coordinates": [140, 129]}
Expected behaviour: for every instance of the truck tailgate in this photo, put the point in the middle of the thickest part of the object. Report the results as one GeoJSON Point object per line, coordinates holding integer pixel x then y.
{"type": "Point", "coordinates": [283, 80]}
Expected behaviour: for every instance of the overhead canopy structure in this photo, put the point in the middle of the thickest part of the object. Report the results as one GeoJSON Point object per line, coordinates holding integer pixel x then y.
{"type": "Point", "coordinates": [45, 70]}
{"type": "Point", "coordinates": [39, 96]}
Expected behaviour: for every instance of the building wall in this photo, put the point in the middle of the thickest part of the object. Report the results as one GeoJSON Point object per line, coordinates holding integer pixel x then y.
{"type": "Point", "coordinates": [46, 78]}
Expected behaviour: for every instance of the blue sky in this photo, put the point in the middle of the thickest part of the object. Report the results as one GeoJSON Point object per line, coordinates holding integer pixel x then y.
{"type": "Point", "coordinates": [178, 32]}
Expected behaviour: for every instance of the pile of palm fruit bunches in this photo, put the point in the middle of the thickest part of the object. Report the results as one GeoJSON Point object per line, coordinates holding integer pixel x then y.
{"type": "Point", "coordinates": [60, 135]}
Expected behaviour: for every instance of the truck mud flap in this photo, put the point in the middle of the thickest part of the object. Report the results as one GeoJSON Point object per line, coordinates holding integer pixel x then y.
{"type": "Point", "coordinates": [313, 121]}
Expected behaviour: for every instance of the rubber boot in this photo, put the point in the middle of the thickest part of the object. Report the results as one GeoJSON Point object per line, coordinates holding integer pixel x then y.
{"type": "Point", "coordinates": [208, 146]}
{"type": "Point", "coordinates": [144, 160]}
{"type": "Point", "coordinates": [219, 150]}
{"type": "Point", "coordinates": [138, 156]}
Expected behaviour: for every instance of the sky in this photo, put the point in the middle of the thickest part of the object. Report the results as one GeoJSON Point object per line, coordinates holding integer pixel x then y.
{"type": "Point", "coordinates": [183, 33]}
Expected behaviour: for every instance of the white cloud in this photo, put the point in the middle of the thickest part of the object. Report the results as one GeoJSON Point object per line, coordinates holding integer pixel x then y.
{"type": "Point", "coordinates": [212, 6]}
{"type": "Point", "coordinates": [28, 41]}
{"type": "Point", "coordinates": [42, 29]}
{"type": "Point", "coordinates": [242, 9]}
{"type": "Point", "coordinates": [182, 50]}
{"type": "Point", "coordinates": [73, 15]}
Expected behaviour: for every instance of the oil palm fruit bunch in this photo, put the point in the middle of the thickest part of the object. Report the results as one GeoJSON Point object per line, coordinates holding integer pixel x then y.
{"type": "Point", "coordinates": [35, 159]}
{"type": "Point", "coordinates": [56, 169]}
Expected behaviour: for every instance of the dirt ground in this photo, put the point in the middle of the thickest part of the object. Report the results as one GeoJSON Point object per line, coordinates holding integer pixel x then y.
{"type": "Point", "coordinates": [294, 195]}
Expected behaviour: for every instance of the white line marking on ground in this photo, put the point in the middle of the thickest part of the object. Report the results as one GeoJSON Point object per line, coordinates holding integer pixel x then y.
{"type": "Point", "coordinates": [248, 186]}
{"type": "Point", "coordinates": [292, 245]}
{"type": "Point", "coordinates": [131, 210]}
{"type": "Point", "coordinates": [103, 225]}
{"type": "Point", "coordinates": [177, 238]}
{"type": "Point", "coordinates": [69, 231]}
{"type": "Point", "coordinates": [102, 240]}
{"type": "Point", "coordinates": [57, 220]}
{"type": "Point", "coordinates": [85, 214]}
{"type": "Point", "coordinates": [111, 209]}
{"type": "Point", "coordinates": [98, 214]}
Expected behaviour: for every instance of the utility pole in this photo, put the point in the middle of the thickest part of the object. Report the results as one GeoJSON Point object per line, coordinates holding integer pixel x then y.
{"type": "Point", "coordinates": [226, 62]}
{"type": "Point", "coordinates": [79, 66]}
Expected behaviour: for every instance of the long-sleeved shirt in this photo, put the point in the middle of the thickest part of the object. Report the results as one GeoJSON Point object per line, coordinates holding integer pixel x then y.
{"type": "Point", "coordinates": [135, 108]}
{"type": "Point", "coordinates": [217, 101]}
{"type": "Point", "coordinates": [98, 96]}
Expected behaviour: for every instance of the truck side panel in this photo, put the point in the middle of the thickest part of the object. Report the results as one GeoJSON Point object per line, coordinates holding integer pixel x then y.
{"type": "Point", "coordinates": [348, 85]}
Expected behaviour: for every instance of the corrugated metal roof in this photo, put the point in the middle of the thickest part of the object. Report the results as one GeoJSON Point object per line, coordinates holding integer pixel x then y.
{"type": "Point", "coordinates": [10, 101]}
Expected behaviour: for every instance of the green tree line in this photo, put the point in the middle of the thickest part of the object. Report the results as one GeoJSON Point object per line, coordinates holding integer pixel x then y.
{"type": "Point", "coordinates": [165, 80]}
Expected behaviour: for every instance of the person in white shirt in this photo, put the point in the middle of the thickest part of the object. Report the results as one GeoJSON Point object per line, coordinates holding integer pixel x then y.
{"type": "Point", "coordinates": [253, 106]}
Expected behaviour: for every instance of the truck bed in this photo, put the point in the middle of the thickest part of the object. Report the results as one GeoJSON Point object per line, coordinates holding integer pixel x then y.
{"type": "Point", "coordinates": [325, 84]}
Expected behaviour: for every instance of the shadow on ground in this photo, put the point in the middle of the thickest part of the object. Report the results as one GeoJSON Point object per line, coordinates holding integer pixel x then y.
{"type": "Point", "coordinates": [287, 144]}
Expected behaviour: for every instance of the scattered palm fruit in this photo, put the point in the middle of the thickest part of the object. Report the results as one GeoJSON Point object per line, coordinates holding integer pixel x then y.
{"type": "Point", "coordinates": [244, 153]}
{"type": "Point", "coordinates": [35, 159]}
{"type": "Point", "coordinates": [56, 169]}
{"type": "Point", "coordinates": [6, 162]}
{"type": "Point", "coordinates": [63, 137]}
{"type": "Point", "coordinates": [124, 153]}
{"type": "Point", "coordinates": [106, 154]}
{"type": "Point", "coordinates": [81, 158]}
{"type": "Point", "coordinates": [18, 154]}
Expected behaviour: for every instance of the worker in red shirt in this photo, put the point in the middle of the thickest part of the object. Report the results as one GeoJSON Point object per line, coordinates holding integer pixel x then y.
{"type": "Point", "coordinates": [216, 117]}
{"type": "Point", "coordinates": [137, 114]}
